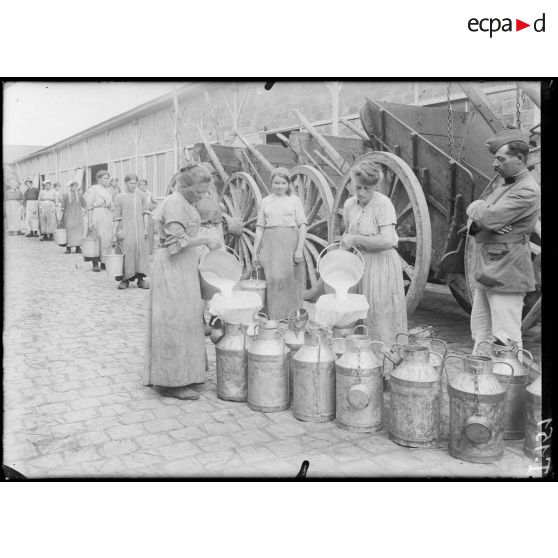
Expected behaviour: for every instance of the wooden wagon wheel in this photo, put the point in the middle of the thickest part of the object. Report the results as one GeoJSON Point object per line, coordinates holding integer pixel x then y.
{"type": "Point", "coordinates": [241, 200]}
{"type": "Point", "coordinates": [311, 186]}
{"type": "Point", "coordinates": [413, 220]}
{"type": "Point", "coordinates": [172, 183]}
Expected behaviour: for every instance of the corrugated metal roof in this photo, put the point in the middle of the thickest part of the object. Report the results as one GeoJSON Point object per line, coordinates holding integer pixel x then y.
{"type": "Point", "coordinates": [189, 90]}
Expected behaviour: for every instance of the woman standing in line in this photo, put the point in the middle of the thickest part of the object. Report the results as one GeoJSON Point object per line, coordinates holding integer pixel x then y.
{"type": "Point", "coordinates": [370, 220]}
{"type": "Point", "coordinates": [175, 346]}
{"type": "Point", "coordinates": [130, 214]}
{"type": "Point", "coordinates": [12, 205]}
{"type": "Point", "coordinates": [72, 205]}
{"type": "Point", "coordinates": [99, 215]}
{"type": "Point", "coordinates": [151, 205]}
{"type": "Point", "coordinates": [31, 204]}
{"type": "Point", "coordinates": [47, 211]}
{"type": "Point", "coordinates": [280, 232]}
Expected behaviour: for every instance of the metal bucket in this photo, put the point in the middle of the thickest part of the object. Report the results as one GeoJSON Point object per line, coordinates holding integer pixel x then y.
{"type": "Point", "coordinates": [91, 246]}
{"type": "Point", "coordinates": [60, 236]}
{"type": "Point", "coordinates": [256, 285]}
{"type": "Point", "coordinates": [340, 269]}
{"type": "Point", "coordinates": [217, 266]}
{"type": "Point", "coordinates": [114, 263]}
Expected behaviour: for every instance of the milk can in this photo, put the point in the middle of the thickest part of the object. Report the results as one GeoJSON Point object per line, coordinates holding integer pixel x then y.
{"type": "Point", "coordinates": [476, 411]}
{"type": "Point", "coordinates": [426, 336]}
{"type": "Point", "coordinates": [359, 385]}
{"type": "Point", "coordinates": [314, 377]}
{"type": "Point", "coordinates": [268, 369]}
{"type": "Point", "coordinates": [514, 407]}
{"type": "Point", "coordinates": [232, 364]}
{"type": "Point", "coordinates": [414, 402]}
{"type": "Point", "coordinates": [294, 339]}
{"type": "Point", "coordinates": [532, 446]}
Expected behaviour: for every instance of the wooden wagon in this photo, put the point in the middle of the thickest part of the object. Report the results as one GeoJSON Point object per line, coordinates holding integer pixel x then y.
{"type": "Point", "coordinates": [429, 189]}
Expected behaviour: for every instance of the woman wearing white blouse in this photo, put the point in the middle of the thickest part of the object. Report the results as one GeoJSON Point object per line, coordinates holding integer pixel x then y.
{"type": "Point", "coordinates": [280, 233]}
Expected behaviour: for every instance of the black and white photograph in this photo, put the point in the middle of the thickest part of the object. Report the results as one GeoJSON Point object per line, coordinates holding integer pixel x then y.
{"type": "Point", "coordinates": [279, 279]}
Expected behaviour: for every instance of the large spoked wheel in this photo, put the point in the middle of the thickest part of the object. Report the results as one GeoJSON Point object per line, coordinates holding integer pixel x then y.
{"type": "Point", "coordinates": [310, 185]}
{"type": "Point", "coordinates": [241, 200]}
{"type": "Point", "coordinates": [413, 220]}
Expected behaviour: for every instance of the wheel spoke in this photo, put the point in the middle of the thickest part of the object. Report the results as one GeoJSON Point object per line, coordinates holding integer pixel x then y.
{"type": "Point", "coordinates": [407, 211]}
{"type": "Point", "coordinates": [407, 268]}
{"type": "Point", "coordinates": [310, 266]}
{"type": "Point", "coordinates": [412, 239]}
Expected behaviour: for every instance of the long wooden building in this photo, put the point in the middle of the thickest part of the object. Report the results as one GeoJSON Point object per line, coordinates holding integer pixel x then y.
{"type": "Point", "coordinates": [156, 138]}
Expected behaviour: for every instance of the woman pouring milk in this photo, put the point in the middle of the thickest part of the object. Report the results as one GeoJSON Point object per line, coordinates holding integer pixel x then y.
{"type": "Point", "coordinates": [369, 219]}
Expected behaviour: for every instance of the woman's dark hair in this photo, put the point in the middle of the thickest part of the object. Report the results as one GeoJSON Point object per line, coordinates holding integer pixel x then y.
{"type": "Point", "coordinates": [193, 173]}
{"type": "Point", "coordinates": [130, 177]}
{"type": "Point", "coordinates": [100, 174]}
{"type": "Point", "coordinates": [367, 173]}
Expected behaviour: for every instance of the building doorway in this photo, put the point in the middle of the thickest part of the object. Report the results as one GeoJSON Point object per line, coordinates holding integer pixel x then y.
{"type": "Point", "coordinates": [94, 169]}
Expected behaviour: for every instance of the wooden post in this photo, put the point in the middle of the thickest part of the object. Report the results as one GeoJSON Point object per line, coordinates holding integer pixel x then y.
{"type": "Point", "coordinates": [481, 103]}
{"type": "Point", "coordinates": [340, 163]}
{"type": "Point", "coordinates": [334, 90]}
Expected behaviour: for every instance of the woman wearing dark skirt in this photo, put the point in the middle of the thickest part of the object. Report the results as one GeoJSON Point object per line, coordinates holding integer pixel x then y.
{"type": "Point", "coordinates": [279, 244]}
{"type": "Point", "coordinates": [72, 206]}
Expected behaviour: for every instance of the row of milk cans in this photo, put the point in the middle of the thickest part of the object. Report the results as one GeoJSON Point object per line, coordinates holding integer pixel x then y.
{"type": "Point", "coordinates": [297, 363]}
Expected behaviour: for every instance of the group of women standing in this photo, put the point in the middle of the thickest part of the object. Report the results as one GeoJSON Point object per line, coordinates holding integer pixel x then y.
{"type": "Point", "coordinates": [175, 357]}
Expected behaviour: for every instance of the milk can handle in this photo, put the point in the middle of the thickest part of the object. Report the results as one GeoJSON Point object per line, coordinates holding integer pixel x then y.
{"type": "Point", "coordinates": [401, 333]}
{"type": "Point", "coordinates": [283, 322]}
{"type": "Point", "coordinates": [379, 343]}
{"type": "Point", "coordinates": [442, 358]}
{"type": "Point", "coordinates": [442, 343]}
{"type": "Point", "coordinates": [530, 360]}
{"type": "Point", "coordinates": [482, 343]}
{"type": "Point", "coordinates": [233, 252]}
{"type": "Point", "coordinates": [262, 315]}
{"type": "Point", "coordinates": [363, 326]}
{"type": "Point", "coordinates": [257, 331]}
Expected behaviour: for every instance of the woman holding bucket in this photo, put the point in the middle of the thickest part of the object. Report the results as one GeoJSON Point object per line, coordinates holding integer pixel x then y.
{"type": "Point", "coordinates": [72, 205]}
{"type": "Point", "coordinates": [175, 345]}
{"type": "Point", "coordinates": [47, 211]}
{"type": "Point", "coordinates": [131, 215]}
{"type": "Point", "coordinates": [99, 216]}
{"type": "Point", "coordinates": [280, 232]}
{"type": "Point", "coordinates": [370, 219]}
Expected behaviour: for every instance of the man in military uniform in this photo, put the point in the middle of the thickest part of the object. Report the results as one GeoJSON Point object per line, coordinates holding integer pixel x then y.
{"type": "Point", "coordinates": [501, 226]}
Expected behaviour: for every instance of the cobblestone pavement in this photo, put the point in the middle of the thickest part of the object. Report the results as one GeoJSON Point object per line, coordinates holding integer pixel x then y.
{"type": "Point", "coordinates": [74, 404]}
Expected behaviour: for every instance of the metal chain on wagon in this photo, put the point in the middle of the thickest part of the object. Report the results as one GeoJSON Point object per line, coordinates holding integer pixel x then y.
{"type": "Point", "coordinates": [450, 121]}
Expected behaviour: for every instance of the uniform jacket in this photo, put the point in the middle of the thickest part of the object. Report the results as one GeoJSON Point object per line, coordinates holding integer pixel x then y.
{"type": "Point", "coordinates": [503, 262]}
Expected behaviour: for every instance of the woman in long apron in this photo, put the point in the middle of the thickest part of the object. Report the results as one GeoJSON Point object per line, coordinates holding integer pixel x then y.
{"type": "Point", "coordinates": [175, 346]}
{"type": "Point", "coordinates": [12, 205]}
{"type": "Point", "coordinates": [151, 205]}
{"type": "Point", "coordinates": [279, 244]}
{"type": "Point", "coordinates": [72, 205]}
{"type": "Point", "coordinates": [47, 211]}
{"type": "Point", "coordinates": [370, 220]}
{"type": "Point", "coordinates": [31, 204]}
{"type": "Point", "coordinates": [130, 214]}
{"type": "Point", "coordinates": [99, 216]}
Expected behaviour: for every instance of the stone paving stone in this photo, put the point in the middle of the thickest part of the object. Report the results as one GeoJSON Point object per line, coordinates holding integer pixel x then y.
{"type": "Point", "coordinates": [179, 450]}
{"type": "Point", "coordinates": [188, 433]}
{"type": "Point", "coordinates": [162, 425]}
{"type": "Point", "coordinates": [68, 394]}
